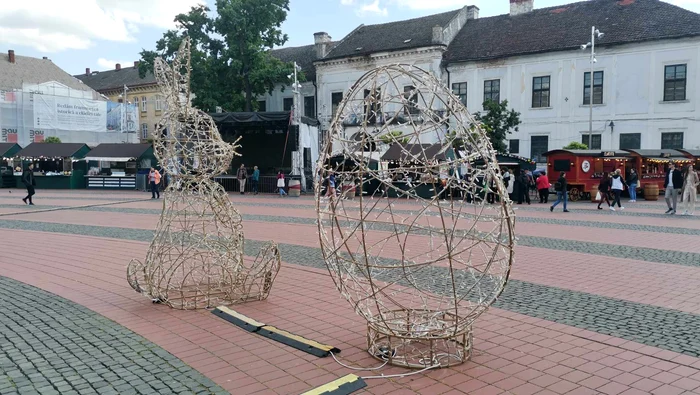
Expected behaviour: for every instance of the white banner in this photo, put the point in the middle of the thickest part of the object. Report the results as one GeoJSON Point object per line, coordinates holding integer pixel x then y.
{"type": "Point", "coordinates": [69, 114]}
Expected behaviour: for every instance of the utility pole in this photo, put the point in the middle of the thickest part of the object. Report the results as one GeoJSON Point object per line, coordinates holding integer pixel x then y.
{"type": "Point", "coordinates": [595, 33]}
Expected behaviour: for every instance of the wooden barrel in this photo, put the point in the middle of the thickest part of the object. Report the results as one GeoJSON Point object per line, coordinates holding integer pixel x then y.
{"type": "Point", "coordinates": [651, 191]}
{"type": "Point", "coordinates": [594, 192]}
{"type": "Point", "coordinates": [294, 188]}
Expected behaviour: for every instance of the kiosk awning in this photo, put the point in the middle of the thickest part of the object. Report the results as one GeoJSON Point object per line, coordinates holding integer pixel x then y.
{"type": "Point", "coordinates": [54, 150]}
{"type": "Point", "coordinates": [119, 152]}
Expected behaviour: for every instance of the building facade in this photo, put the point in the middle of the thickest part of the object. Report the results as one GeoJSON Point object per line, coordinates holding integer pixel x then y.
{"type": "Point", "coordinates": [644, 79]}
{"type": "Point", "coordinates": [141, 92]}
{"type": "Point", "coordinates": [39, 100]}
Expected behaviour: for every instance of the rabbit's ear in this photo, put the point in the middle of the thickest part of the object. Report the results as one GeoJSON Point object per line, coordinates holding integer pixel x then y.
{"type": "Point", "coordinates": [164, 76]}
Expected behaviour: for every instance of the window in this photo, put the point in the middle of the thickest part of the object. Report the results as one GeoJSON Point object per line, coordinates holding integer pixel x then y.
{"type": "Point", "coordinates": [287, 104]}
{"type": "Point", "coordinates": [411, 96]}
{"type": "Point", "coordinates": [596, 141]}
{"type": "Point", "coordinates": [597, 87]}
{"type": "Point", "coordinates": [136, 102]}
{"type": "Point", "coordinates": [336, 98]}
{"type": "Point", "coordinates": [159, 103]}
{"type": "Point", "coordinates": [310, 106]}
{"type": "Point", "coordinates": [492, 91]}
{"type": "Point", "coordinates": [538, 146]}
{"type": "Point", "coordinates": [630, 140]}
{"type": "Point", "coordinates": [562, 165]}
{"type": "Point", "coordinates": [672, 140]}
{"type": "Point", "coordinates": [373, 107]}
{"type": "Point", "coordinates": [460, 90]}
{"type": "Point", "coordinates": [144, 131]}
{"type": "Point", "coordinates": [674, 82]}
{"type": "Point", "coordinates": [514, 146]}
{"type": "Point", "coordinates": [143, 104]}
{"type": "Point", "coordinates": [262, 105]}
{"type": "Point", "coordinates": [540, 92]}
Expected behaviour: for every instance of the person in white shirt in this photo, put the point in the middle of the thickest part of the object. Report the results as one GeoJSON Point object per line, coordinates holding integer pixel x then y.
{"type": "Point", "coordinates": [617, 186]}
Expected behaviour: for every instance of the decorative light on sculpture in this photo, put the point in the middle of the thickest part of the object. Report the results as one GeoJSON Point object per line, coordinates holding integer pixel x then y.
{"type": "Point", "coordinates": [411, 240]}
{"type": "Point", "coordinates": [196, 258]}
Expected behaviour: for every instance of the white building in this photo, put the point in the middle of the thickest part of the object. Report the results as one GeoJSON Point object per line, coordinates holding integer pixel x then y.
{"type": "Point", "coordinates": [645, 80]}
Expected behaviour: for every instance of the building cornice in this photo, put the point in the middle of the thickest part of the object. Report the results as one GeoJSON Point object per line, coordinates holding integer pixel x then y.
{"type": "Point", "coordinates": [381, 56]}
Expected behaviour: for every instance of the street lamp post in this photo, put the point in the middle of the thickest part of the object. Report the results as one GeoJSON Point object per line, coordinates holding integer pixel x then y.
{"type": "Point", "coordinates": [123, 112]}
{"type": "Point", "coordinates": [595, 33]}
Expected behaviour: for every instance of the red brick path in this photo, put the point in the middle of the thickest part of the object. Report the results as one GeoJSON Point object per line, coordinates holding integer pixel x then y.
{"type": "Point", "coordinates": [514, 354]}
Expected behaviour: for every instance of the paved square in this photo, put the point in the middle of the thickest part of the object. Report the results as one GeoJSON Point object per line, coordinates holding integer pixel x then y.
{"type": "Point", "coordinates": [599, 302]}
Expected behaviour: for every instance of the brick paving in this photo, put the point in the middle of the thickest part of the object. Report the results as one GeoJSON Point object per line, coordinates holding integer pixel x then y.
{"type": "Point", "coordinates": [579, 315]}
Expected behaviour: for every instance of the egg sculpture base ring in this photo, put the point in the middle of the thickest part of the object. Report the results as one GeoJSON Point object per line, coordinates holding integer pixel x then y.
{"type": "Point", "coordinates": [417, 339]}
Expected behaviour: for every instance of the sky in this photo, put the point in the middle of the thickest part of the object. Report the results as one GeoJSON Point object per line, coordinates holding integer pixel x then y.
{"type": "Point", "coordinates": [77, 34]}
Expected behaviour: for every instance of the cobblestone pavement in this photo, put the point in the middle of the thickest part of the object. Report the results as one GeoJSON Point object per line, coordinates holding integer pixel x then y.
{"type": "Point", "coordinates": [655, 326]}
{"type": "Point", "coordinates": [49, 345]}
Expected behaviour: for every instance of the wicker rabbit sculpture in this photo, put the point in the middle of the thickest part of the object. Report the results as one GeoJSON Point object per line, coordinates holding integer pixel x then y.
{"type": "Point", "coordinates": [196, 258]}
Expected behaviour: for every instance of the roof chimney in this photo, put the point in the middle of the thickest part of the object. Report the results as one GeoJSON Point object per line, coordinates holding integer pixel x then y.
{"type": "Point", "coordinates": [438, 37]}
{"type": "Point", "coordinates": [472, 12]}
{"type": "Point", "coordinates": [119, 67]}
{"type": "Point", "coordinates": [321, 43]}
{"type": "Point", "coordinates": [87, 71]}
{"type": "Point", "coordinates": [11, 55]}
{"type": "Point", "coordinates": [136, 64]}
{"type": "Point", "coordinates": [518, 7]}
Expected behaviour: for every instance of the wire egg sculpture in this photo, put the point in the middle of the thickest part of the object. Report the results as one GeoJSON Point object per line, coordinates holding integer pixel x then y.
{"type": "Point", "coordinates": [407, 230]}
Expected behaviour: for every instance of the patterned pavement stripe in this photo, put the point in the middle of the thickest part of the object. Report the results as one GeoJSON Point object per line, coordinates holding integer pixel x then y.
{"type": "Point", "coordinates": [50, 345]}
{"type": "Point", "coordinates": [655, 326]}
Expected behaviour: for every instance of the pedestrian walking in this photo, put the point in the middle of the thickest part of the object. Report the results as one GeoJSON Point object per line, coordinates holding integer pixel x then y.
{"type": "Point", "coordinates": [330, 191]}
{"type": "Point", "coordinates": [242, 175]}
{"type": "Point", "coordinates": [672, 184]}
{"type": "Point", "coordinates": [560, 187]}
{"type": "Point", "coordinates": [255, 179]}
{"type": "Point", "coordinates": [280, 183]}
{"type": "Point", "coordinates": [690, 188]}
{"type": "Point", "coordinates": [543, 187]}
{"type": "Point", "coordinates": [617, 184]}
{"type": "Point", "coordinates": [29, 183]}
{"type": "Point", "coordinates": [154, 181]}
{"type": "Point", "coordinates": [632, 182]}
{"type": "Point", "coordinates": [604, 190]}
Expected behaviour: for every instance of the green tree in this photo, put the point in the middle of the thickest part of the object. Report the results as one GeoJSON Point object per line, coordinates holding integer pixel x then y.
{"type": "Point", "coordinates": [231, 59]}
{"type": "Point", "coordinates": [498, 123]}
{"type": "Point", "coordinates": [52, 140]}
{"type": "Point", "coordinates": [575, 145]}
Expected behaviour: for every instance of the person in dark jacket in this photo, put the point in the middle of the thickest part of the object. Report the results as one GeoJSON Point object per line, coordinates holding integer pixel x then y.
{"type": "Point", "coordinates": [255, 179]}
{"type": "Point", "coordinates": [672, 184]}
{"type": "Point", "coordinates": [604, 189]}
{"type": "Point", "coordinates": [560, 187]}
{"type": "Point", "coordinates": [523, 185]}
{"type": "Point", "coordinates": [632, 181]}
{"type": "Point", "coordinates": [29, 183]}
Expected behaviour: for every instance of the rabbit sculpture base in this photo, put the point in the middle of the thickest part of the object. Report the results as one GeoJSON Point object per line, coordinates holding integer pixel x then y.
{"type": "Point", "coordinates": [196, 257]}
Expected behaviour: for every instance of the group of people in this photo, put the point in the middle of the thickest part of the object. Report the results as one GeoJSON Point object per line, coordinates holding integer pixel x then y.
{"type": "Point", "coordinates": [684, 183]}
{"type": "Point", "coordinates": [614, 184]}
{"type": "Point", "coordinates": [242, 176]}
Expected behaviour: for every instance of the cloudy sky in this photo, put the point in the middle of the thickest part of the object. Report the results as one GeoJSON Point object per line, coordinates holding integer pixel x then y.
{"type": "Point", "coordinates": [97, 34]}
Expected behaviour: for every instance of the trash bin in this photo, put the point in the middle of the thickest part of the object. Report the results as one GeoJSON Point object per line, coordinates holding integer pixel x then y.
{"type": "Point", "coordinates": [141, 184]}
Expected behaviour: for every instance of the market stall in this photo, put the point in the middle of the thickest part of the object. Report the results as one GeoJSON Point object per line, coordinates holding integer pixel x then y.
{"type": "Point", "coordinates": [692, 154]}
{"type": "Point", "coordinates": [411, 159]}
{"type": "Point", "coordinates": [117, 166]}
{"type": "Point", "coordinates": [584, 168]}
{"type": "Point", "coordinates": [350, 187]}
{"type": "Point", "coordinates": [651, 165]}
{"type": "Point", "coordinates": [7, 153]}
{"type": "Point", "coordinates": [56, 165]}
